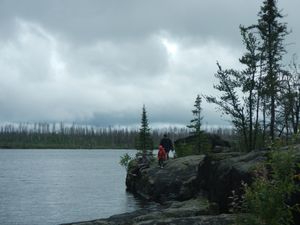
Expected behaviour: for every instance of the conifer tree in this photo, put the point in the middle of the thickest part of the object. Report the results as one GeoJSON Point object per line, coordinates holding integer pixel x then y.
{"type": "Point", "coordinates": [257, 87]}
{"type": "Point", "coordinates": [272, 34]}
{"type": "Point", "coordinates": [195, 125]}
{"type": "Point", "coordinates": [251, 84]}
{"type": "Point", "coordinates": [230, 102]}
{"type": "Point", "coordinates": [289, 111]}
{"type": "Point", "coordinates": [241, 93]}
{"type": "Point", "coordinates": [294, 89]}
{"type": "Point", "coordinates": [145, 141]}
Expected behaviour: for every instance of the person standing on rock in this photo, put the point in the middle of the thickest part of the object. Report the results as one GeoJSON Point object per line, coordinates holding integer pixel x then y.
{"type": "Point", "coordinates": [167, 144]}
{"type": "Point", "coordinates": [161, 155]}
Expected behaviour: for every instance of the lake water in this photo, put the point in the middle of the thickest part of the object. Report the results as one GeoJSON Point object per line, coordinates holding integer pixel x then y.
{"type": "Point", "coordinates": [59, 186]}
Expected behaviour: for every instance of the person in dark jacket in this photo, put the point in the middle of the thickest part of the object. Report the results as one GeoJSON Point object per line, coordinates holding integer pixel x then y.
{"type": "Point", "coordinates": [167, 144]}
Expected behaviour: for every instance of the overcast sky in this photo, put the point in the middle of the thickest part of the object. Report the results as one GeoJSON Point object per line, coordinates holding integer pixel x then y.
{"type": "Point", "coordinates": [98, 62]}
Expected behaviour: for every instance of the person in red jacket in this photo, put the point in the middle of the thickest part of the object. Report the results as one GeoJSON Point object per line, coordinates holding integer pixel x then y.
{"type": "Point", "coordinates": [161, 156]}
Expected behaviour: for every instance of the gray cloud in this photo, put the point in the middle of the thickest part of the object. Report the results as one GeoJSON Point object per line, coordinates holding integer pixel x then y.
{"type": "Point", "coordinates": [99, 61]}
{"type": "Point", "coordinates": [132, 19]}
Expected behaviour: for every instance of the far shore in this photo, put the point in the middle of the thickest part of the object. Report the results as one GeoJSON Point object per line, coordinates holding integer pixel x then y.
{"type": "Point", "coordinates": [17, 148]}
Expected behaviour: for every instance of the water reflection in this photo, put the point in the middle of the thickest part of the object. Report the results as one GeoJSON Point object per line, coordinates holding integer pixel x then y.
{"type": "Point", "coordinates": [135, 202]}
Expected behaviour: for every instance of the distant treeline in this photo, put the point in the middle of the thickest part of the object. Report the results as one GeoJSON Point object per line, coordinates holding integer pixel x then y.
{"type": "Point", "coordinates": [62, 136]}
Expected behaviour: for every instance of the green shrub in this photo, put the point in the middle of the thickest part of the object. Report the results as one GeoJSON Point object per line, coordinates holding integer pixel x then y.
{"type": "Point", "coordinates": [265, 200]}
{"type": "Point", "coordinates": [184, 149]}
{"type": "Point", "coordinates": [125, 159]}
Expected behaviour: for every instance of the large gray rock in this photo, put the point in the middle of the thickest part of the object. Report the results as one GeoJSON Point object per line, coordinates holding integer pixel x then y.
{"type": "Point", "coordinates": [220, 174]}
{"type": "Point", "coordinates": [215, 175]}
{"type": "Point", "coordinates": [176, 181]}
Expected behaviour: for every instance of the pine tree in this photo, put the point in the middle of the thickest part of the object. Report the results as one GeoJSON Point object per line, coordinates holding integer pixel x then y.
{"type": "Point", "coordinates": [230, 102]}
{"type": "Point", "coordinates": [251, 84]}
{"type": "Point", "coordinates": [294, 88]}
{"type": "Point", "coordinates": [289, 110]}
{"type": "Point", "coordinates": [258, 86]}
{"type": "Point", "coordinates": [144, 141]}
{"type": "Point", "coordinates": [272, 34]}
{"type": "Point", "coordinates": [195, 125]}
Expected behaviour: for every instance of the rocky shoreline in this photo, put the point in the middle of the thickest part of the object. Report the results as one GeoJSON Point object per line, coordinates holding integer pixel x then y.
{"type": "Point", "coordinates": [194, 211]}
{"type": "Point", "coordinates": [191, 190]}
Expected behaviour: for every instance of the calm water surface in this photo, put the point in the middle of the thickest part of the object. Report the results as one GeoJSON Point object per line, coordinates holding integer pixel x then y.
{"type": "Point", "coordinates": [59, 186]}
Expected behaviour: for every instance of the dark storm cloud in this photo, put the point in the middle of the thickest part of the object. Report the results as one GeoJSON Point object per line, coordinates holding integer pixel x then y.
{"type": "Point", "coordinates": [84, 21]}
{"type": "Point", "coordinates": [91, 20]}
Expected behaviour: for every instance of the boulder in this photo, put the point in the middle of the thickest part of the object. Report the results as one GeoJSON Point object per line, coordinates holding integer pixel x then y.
{"type": "Point", "coordinates": [213, 139]}
{"type": "Point", "coordinates": [176, 181]}
{"type": "Point", "coordinates": [220, 174]}
{"type": "Point", "coordinates": [210, 143]}
{"type": "Point", "coordinates": [215, 175]}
